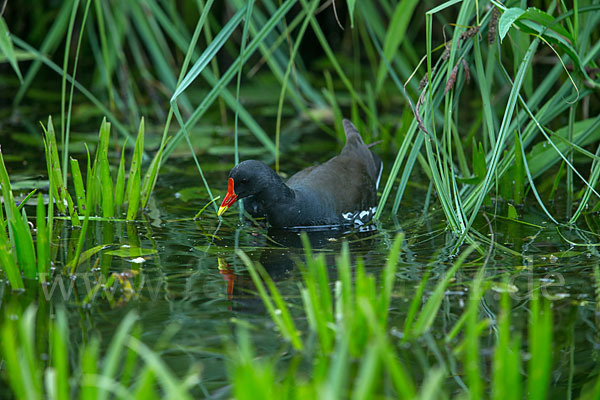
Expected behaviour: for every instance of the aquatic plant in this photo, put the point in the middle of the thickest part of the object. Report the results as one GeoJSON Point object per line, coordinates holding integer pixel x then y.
{"type": "Point", "coordinates": [358, 355]}
{"type": "Point", "coordinates": [505, 115]}
{"type": "Point", "coordinates": [128, 368]}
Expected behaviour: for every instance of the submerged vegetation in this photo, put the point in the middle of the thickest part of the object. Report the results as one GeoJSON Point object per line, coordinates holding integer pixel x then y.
{"type": "Point", "coordinates": [488, 118]}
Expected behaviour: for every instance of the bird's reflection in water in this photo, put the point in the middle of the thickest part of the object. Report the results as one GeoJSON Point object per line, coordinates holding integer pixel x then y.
{"type": "Point", "coordinates": [281, 251]}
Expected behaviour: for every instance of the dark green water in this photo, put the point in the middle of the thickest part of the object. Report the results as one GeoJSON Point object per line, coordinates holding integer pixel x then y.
{"type": "Point", "coordinates": [191, 291]}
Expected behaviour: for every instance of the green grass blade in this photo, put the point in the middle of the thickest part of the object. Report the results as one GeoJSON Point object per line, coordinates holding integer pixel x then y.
{"type": "Point", "coordinates": [157, 47]}
{"type": "Point", "coordinates": [209, 53]}
{"type": "Point", "coordinates": [115, 351]}
{"type": "Point", "coordinates": [8, 263]}
{"type": "Point", "coordinates": [15, 372]}
{"type": "Point", "coordinates": [368, 374]}
{"type": "Point", "coordinates": [151, 175]}
{"type": "Point", "coordinates": [74, 263]}
{"type": "Point", "coordinates": [519, 171]}
{"type": "Point", "coordinates": [275, 304]}
{"type": "Point", "coordinates": [394, 36]}
{"type": "Point", "coordinates": [135, 172]}
{"type": "Point", "coordinates": [52, 40]}
{"type": "Point", "coordinates": [334, 61]}
{"type": "Point", "coordinates": [299, 36]}
{"type": "Point", "coordinates": [540, 348]}
{"type": "Point", "coordinates": [59, 335]}
{"type": "Point", "coordinates": [432, 388]}
{"type": "Point", "coordinates": [43, 248]}
{"type": "Point", "coordinates": [169, 382]}
{"type": "Point", "coordinates": [24, 248]}
{"type": "Point", "coordinates": [503, 133]}
{"type": "Point", "coordinates": [105, 51]}
{"type": "Point", "coordinates": [219, 85]}
{"type": "Point", "coordinates": [388, 278]}
{"type": "Point", "coordinates": [318, 301]}
{"type": "Point", "coordinates": [106, 182]}
{"type": "Point", "coordinates": [66, 128]}
{"type": "Point", "coordinates": [6, 48]}
{"type": "Point", "coordinates": [472, 359]}
{"type": "Point", "coordinates": [97, 103]}
{"type": "Point", "coordinates": [78, 184]}
{"type": "Point", "coordinates": [89, 367]}
{"type": "Point", "coordinates": [53, 162]}
{"type": "Point", "coordinates": [63, 92]}
{"type": "Point", "coordinates": [400, 378]}
{"type": "Point", "coordinates": [8, 259]}
{"type": "Point", "coordinates": [431, 307]}
{"type": "Point", "coordinates": [338, 371]}
{"type": "Point", "coordinates": [72, 211]}
{"type": "Point", "coordinates": [506, 382]}
{"type": "Point", "coordinates": [345, 302]}
{"type": "Point", "coordinates": [533, 188]}
{"type": "Point", "coordinates": [120, 184]}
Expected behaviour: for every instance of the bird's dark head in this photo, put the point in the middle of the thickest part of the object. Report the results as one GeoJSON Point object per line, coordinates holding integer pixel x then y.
{"type": "Point", "coordinates": [248, 178]}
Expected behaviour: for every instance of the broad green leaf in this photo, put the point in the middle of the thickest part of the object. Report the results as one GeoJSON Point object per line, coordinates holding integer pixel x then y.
{"type": "Point", "coordinates": [507, 19]}
{"type": "Point", "coordinates": [546, 20]}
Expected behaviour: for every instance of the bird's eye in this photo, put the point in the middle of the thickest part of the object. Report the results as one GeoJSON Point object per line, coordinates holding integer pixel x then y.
{"type": "Point", "coordinates": [244, 180]}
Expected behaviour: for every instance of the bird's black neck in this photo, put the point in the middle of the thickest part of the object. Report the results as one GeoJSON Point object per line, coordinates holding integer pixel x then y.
{"type": "Point", "coordinates": [274, 191]}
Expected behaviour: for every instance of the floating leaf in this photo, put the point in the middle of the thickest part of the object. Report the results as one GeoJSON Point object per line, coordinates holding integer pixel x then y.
{"type": "Point", "coordinates": [127, 251]}
{"type": "Point", "coordinates": [504, 287]}
{"type": "Point", "coordinates": [85, 255]}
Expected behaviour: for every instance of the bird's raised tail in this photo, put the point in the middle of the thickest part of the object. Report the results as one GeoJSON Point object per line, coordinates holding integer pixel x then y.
{"type": "Point", "coordinates": [355, 143]}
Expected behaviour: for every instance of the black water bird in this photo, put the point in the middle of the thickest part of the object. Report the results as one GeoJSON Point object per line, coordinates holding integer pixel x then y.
{"type": "Point", "coordinates": [339, 192]}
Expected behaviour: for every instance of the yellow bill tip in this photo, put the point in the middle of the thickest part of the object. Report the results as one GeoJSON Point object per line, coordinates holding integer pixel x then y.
{"type": "Point", "coordinates": [222, 210]}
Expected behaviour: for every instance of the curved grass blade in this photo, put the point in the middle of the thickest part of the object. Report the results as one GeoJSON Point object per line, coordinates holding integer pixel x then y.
{"type": "Point", "coordinates": [219, 88]}
{"type": "Point", "coordinates": [277, 307]}
{"type": "Point", "coordinates": [65, 129]}
{"type": "Point", "coordinates": [309, 12]}
{"type": "Point", "coordinates": [430, 309]}
{"type": "Point", "coordinates": [53, 66]}
{"type": "Point", "coordinates": [394, 37]}
{"type": "Point", "coordinates": [503, 133]}
{"type": "Point", "coordinates": [6, 48]}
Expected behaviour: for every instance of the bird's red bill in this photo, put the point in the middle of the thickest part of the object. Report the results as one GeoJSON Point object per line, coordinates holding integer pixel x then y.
{"type": "Point", "coordinates": [229, 199]}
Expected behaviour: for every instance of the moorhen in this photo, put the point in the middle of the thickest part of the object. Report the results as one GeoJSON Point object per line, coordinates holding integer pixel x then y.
{"type": "Point", "coordinates": [342, 191]}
